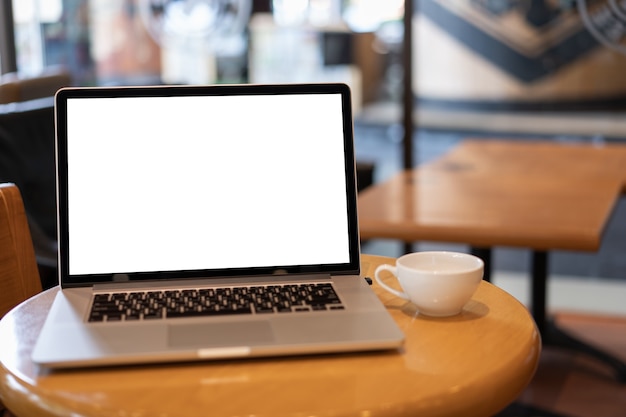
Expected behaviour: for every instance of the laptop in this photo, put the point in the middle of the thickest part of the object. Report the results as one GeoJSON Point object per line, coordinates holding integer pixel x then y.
{"type": "Point", "coordinates": [207, 222]}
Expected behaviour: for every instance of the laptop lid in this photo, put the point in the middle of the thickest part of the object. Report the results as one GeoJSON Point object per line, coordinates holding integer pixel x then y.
{"type": "Point", "coordinates": [183, 182]}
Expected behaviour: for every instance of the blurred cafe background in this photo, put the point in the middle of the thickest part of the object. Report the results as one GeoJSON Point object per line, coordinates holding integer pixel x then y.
{"type": "Point", "coordinates": [518, 69]}
{"type": "Point", "coordinates": [512, 69]}
{"type": "Point", "coordinates": [552, 69]}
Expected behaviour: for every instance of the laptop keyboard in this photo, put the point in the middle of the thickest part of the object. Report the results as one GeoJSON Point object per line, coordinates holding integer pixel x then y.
{"type": "Point", "coordinates": [153, 305]}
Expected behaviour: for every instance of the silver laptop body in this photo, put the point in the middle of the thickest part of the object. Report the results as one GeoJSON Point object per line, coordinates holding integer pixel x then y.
{"type": "Point", "coordinates": [209, 193]}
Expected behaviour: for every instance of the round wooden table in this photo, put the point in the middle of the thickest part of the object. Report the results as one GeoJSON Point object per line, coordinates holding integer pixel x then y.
{"type": "Point", "coordinates": [473, 364]}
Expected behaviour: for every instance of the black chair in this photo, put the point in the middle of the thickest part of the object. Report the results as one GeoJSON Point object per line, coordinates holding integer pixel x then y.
{"type": "Point", "coordinates": [27, 160]}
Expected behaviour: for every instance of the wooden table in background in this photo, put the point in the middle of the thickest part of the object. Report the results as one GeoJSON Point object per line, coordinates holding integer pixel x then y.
{"type": "Point", "coordinates": [473, 364]}
{"type": "Point", "coordinates": [539, 195]}
{"type": "Point", "coordinates": [486, 193]}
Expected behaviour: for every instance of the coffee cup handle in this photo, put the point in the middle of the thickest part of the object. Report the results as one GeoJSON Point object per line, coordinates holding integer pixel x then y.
{"type": "Point", "coordinates": [394, 271]}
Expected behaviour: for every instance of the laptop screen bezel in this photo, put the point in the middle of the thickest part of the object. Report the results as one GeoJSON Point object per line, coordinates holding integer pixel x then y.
{"type": "Point", "coordinates": [61, 99]}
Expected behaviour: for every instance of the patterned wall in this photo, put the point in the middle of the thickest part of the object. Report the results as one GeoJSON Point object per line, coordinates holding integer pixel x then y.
{"type": "Point", "coordinates": [521, 51]}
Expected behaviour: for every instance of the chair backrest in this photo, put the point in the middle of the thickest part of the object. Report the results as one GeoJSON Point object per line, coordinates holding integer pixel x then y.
{"type": "Point", "coordinates": [27, 160]}
{"type": "Point", "coordinates": [15, 87]}
{"type": "Point", "coordinates": [19, 276]}
{"type": "Point", "coordinates": [27, 157]}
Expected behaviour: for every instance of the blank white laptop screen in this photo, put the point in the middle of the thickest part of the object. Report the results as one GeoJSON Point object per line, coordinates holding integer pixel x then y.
{"type": "Point", "coordinates": [205, 182]}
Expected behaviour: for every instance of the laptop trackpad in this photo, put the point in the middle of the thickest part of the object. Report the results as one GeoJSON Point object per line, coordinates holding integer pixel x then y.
{"type": "Point", "coordinates": [201, 335]}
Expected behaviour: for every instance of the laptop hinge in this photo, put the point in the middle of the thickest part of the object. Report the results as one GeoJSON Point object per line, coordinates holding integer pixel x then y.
{"type": "Point", "coordinates": [198, 283]}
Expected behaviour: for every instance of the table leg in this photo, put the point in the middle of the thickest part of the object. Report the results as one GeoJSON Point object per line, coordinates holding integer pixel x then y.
{"type": "Point", "coordinates": [485, 255]}
{"type": "Point", "coordinates": [551, 334]}
{"type": "Point", "coordinates": [539, 289]}
{"type": "Point", "coordinates": [408, 247]}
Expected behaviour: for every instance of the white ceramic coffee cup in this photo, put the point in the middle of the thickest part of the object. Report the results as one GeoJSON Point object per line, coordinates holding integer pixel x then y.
{"type": "Point", "coordinates": [438, 283]}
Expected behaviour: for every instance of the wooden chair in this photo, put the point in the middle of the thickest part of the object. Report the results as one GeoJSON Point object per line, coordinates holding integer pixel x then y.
{"type": "Point", "coordinates": [19, 275]}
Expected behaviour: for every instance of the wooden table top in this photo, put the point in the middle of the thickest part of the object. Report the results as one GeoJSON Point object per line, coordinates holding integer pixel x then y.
{"type": "Point", "coordinates": [473, 364]}
{"type": "Point", "coordinates": [540, 195]}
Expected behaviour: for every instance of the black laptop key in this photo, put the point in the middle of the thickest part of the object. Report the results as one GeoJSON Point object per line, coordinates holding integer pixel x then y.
{"type": "Point", "coordinates": [96, 316]}
{"type": "Point", "coordinates": [152, 314]}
